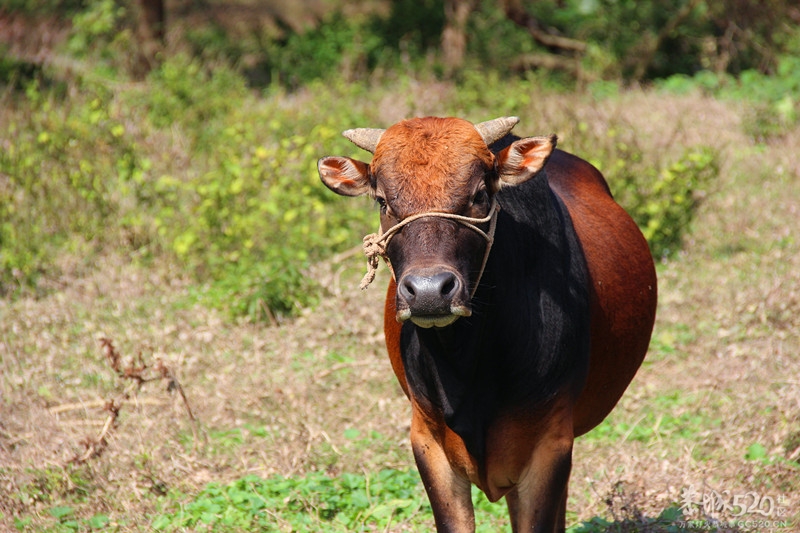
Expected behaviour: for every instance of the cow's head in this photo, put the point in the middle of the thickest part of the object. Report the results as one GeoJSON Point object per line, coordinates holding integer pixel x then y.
{"type": "Point", "coordinates": [430, 166]}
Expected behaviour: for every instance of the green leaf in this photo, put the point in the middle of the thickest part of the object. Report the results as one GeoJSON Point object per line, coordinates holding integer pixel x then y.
{"type": "Point", "coordinates": [98, 521]}
{"type": "Point", "coordinates": [756, 452]}
{"type": "Point", "coordinates": [61, 512]}
{"type": "Point", "coordinates": [351, 433]}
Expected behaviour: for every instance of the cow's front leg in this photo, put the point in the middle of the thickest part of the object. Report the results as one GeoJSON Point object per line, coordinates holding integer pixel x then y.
{"type": "Point", "coordinates": [539, 501]}
{"type": "Point", "coordinates": [448, 492]}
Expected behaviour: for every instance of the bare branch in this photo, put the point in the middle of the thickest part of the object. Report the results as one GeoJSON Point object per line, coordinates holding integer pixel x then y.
{"type": "Point", "coordinates": [546, 36]}
{"type": "Point", "coordinates": [136, 373]}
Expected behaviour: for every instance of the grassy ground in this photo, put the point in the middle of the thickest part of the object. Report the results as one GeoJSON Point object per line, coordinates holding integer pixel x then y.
{"type": "Point", "coordinates": [713, 412]}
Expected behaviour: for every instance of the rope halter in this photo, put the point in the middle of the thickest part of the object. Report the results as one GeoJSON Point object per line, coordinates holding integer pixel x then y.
{"type": "Point", "coordinates": [375, 244]}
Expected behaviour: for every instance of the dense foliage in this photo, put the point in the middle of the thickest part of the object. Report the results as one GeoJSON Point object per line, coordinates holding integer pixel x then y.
{"type": "Point", "coordinates": [621, 39]}
{"type": "Point", "coordinates": [194, 168]}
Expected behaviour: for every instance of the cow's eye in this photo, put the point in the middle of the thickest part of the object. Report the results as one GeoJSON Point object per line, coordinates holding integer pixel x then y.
{"type": "Point", "coordinates": [381, 204]}
{"type": "Point", "coordinates": [480, 198]}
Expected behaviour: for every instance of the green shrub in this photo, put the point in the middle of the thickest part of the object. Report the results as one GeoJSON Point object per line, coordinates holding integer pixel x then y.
{"type": "Point", "coordinates": [661, 189]}
{"type": "Point", "coordinates": [251, 215]}
{"type": "Point", "coordinates": [95, 27]}
{"type": "Point", "coordinates": [247, 215]}
{"type": "Point", "coordinates": [198, 98]}
{"type": "Point", "coordinates": [322, 52]}
{"type": "Point", "coordinates": [257, 217]}
{"type": "Point", "coordinates": [62, 187]}
{"type": "Point", "coordinates": [663, 201]}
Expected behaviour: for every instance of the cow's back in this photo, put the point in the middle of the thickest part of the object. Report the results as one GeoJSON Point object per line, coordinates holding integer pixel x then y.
{"type": "Point", "coordinates": [622, 291]}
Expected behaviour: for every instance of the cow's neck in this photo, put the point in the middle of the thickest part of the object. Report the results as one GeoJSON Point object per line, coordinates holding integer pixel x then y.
{"type": "Point", "coordinates": [447, 374]}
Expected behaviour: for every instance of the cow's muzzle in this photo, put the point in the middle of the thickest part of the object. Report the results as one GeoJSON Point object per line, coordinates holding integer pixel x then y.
{"type": "Point", "coordinates": [431, 298]}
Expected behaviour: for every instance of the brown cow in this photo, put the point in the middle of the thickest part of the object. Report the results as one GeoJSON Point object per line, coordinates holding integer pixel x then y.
{"type": "Point", "coordinates": [521, 305]}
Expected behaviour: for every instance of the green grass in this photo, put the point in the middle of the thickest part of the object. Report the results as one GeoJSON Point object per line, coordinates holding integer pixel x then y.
{"type": "Point", "coordinates": [315, 502]}
{"type": "Point", "coordinates": [672, 416]}
{"type": "Point", "coordinates": [351, 502]}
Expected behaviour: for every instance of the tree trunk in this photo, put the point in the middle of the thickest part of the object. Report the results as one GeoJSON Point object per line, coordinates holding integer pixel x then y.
{"type": "Point", "coordinates": [151, 33]}
{"type": "Point", "coordinates": [454, 36]}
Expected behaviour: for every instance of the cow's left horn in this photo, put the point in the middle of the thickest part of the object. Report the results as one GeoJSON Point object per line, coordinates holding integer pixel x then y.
{"type": "Point", "coordinates": [366, 138]}
{"type": "Point", "coordinates": [494, 130]}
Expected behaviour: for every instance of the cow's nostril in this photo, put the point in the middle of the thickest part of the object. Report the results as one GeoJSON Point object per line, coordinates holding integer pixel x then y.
{"type": "Point", "coordinates": [449, 287]}
{"type": "Point", "coordinates": [407, 290]}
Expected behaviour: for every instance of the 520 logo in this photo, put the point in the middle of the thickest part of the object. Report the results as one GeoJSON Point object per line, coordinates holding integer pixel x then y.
{"type": "Point", "coordinates": [714, 503]}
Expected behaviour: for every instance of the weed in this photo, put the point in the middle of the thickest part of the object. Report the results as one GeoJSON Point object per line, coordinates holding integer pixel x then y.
{"type": "Point", "coordinates": [137, 373]}
{"type": "Point", "coordinates": [670, 520]}
{"type": "Point", "coordinates": [315, 502]}
{"type": "Point", "coordinates": [46, 485]}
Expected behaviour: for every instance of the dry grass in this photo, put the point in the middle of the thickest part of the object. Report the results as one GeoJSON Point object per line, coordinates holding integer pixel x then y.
{"type": "Point", "coordinates": [278, 399]}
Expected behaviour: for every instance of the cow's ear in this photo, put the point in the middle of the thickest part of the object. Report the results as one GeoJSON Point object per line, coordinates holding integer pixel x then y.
{"type": "Point", "coordinates": [524, 159]}
{"type": "Point", "coordinates": [344, 176]}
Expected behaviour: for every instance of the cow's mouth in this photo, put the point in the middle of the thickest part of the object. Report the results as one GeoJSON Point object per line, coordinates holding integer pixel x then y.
{"type": "Point", "coordinates": [433, 321]}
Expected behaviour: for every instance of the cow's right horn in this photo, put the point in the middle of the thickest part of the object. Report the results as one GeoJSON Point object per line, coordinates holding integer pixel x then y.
{"type": "Point", "coordinates": [366, 138]}
{"type": "Point", "coordinates": [494, 130]}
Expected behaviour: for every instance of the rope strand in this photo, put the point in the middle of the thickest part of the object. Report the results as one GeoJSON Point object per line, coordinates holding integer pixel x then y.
{"type": "Point", "coordinates": [375, 244]}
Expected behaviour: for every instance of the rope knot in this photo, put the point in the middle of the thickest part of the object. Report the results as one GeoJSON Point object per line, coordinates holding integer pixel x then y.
{"type": "Point", "coordinates": [374, 248]}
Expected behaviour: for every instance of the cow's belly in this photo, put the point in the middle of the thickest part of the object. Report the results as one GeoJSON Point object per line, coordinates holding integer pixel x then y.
{"type": "Point", "coordinates": [622, 291]}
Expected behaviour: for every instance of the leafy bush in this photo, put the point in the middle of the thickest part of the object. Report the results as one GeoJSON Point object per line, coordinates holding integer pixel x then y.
{"type": "Point", "coordinates": [86, 167]}
{"type": "Point", "coordinates": [255, 219]}
{"type": "Point", "coordinates": [184, 92]}
{"type": "Point", "coordinates": [95, 27]}
{"type": "Point", "coordinates": [661, 187]}
{"type": "Point", "coordinates": [199, 170]}
{"type": "Point", "coordinates": [339, 46]}
{"type": "Point", "coordinates": [251, 216]}
{"type": "Point", "coordinates": [193, 168]}
{"type": "Point", "coordinates": [663, 201]}
{"type": "Point", "coordinates": [61, 187]}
